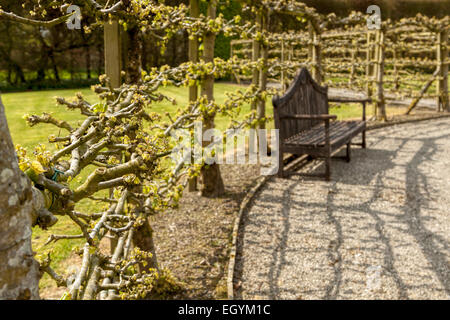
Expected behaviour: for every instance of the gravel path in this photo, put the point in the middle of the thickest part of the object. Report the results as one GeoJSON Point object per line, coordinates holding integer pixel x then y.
{"type": "Point", "coordinates": [379, 230]}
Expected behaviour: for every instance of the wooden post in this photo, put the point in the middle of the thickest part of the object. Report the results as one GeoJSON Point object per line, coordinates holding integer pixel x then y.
{"type": "Point", "coordinates": [375, 68]}
{"type": "Point", "coordinates": [232, 45]}
{"type": "Point", "coordinates": [113, 59]}
{"type": "Point", "coordinates": [439, 65]}
{"type": "Point", "coordinates": [283, 80]}
{"type": "Point", "coordinates": [442, 62]}
{"type": "Point", "coordinates": [369, 68]}
{"type": "Point", "coordinates": [353, 57]}
{"type": "Point", "coordinates": [256, 54]}
{"type": "Point", "coordinates": [328, 149]}
{"type": "Point", "coordinates": [291, 52]}
{"type": "Point", "coordinates": [380, 103]}
{"type": "Point", "coordinates": [315, 54]}
{"type": "Point", "coordinates": [311, 45]}
{"type": "Point", "coordinates": [236, 76]}
{"type": "Point", "coordinates": [261, 110]}
{"type": "Point", "coordinates": [290, 58]}
{"type": "Point", "coordinates": [363, 144]}
{"type": "Point", "coordinates": [193, 57]}
{"type": "Point", "coordinates": [113, 68]}
{"type": "Point", "coordinates": [395, 58]}
{"type": "Point", "coordinates": [445, 62]}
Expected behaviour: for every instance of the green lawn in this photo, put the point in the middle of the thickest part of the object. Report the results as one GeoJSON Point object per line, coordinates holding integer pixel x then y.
{"type": "Point", "coordinates": [18, 104]}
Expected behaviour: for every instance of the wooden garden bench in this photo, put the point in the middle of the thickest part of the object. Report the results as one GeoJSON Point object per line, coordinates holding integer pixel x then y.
{"type": "Point", "coordinates": [305, 127]}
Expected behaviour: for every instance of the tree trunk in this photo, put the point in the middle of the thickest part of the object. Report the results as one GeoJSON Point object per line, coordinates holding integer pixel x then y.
{"type": "Point", "coordinates": [193, 57]}
{"type": "Point", "coordinates": [144, 63]}
{"type": "Point", "coordinates": [100, 65]}
{"type": "Point", "coordinates": [88, 63]}
{"type": "Point", "coordinates": [134, 56]}
{"type": "Point", "coordinates": [212, 183]}
{"type": "Point", "coordinates": [54, 67]}
{"type": "Point", "coordinates": [9, 77]}
{"type": "Point", "coordinates": [71, 66]}
{"type": "Point", "coordinates": [20, 76]}
{"type": "Point", "coordinates": [143, 239]}
{"type": "Point", "coordinates": [43, 61]}
{"type": "Point", "coordinates": [19, 272]}
{"type": "Point", "coordinates": [41, 73]}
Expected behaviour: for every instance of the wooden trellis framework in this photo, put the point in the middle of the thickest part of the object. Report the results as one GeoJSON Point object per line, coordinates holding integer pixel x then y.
{"type": "Point", "coordinates": [400, 60]}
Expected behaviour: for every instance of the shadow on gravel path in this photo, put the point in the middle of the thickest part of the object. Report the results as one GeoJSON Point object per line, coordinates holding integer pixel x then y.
{"type": "Point", "coordinates": [379, 230]}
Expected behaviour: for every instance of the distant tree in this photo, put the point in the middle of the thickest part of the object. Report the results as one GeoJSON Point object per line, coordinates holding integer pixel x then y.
{"type": "Point", "coordinates": [19, 211]}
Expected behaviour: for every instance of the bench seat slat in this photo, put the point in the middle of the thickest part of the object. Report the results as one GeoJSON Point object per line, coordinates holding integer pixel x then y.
{"type": "Point", "coordinates": [315, 137]}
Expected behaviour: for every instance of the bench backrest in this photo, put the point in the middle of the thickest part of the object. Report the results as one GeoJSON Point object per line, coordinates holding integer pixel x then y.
{"type": "Point", "coordinates": [304, 96]}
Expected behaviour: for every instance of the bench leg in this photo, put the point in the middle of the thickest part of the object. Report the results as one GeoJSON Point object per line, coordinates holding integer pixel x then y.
{"type": "Point", "coordinates": [348, 158]}
{"type": "Point", "coordinates": [280, 173]}
{"type": "Point", "coordinates": [363, 139]}
{"type": "Point", "coordinates": [328, 167]}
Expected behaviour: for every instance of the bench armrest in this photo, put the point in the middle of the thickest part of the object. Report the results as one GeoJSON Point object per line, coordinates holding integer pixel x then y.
{"type": "Point", "coordinates": [309, 116]}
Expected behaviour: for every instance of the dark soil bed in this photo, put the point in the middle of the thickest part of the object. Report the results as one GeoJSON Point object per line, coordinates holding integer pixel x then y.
{"type": "Point", "coordinates": [193, 241]}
